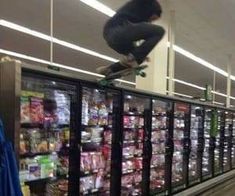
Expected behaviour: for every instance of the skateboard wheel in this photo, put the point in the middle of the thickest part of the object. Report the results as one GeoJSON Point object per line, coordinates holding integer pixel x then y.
{"type": "Point", "coordinates": [143, 74]}
{"type": "Point", "coordinates": [103, 82]}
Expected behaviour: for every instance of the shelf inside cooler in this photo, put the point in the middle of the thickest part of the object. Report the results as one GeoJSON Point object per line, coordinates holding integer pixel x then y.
{"type": "Point", "coordinates": [31, 155]}
{"type": "Point", "coordinates": [159, 115]}
{"type": "Point", "coordinates": [45, 180]}
{"type": "Point", "coordinates": [129, 171]}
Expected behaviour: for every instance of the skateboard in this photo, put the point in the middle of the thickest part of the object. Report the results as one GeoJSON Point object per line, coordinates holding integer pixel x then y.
{"type": "Point", "coordinates": [137, 70]}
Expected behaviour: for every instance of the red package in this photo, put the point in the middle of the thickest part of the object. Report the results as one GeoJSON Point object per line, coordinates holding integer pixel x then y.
{"type": "Point", "coordinates": [141, 134]}
{"type": "Point", "coordinates": [127, 180]}
{"type": "Point", "coordinates": [138, 163]}
{"type": "Point", "coordinates": [138, 177]}
{"type": "Point", "coordinates": [108, 136]}
{"type": "Point", "coordinates": [139, 149]}
{"type": "Point", "coordinates": [36, 110]}
{"type": "Point", "coordinates": [106, 151]}
{"type": "Point", "coordinates": [85, 162]}
{"type": "Point", "coordinates": [97, 161]}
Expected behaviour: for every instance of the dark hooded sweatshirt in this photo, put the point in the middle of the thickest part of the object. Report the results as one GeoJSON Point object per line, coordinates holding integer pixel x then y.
{"type": "Point", "coordinates": [135, 11]}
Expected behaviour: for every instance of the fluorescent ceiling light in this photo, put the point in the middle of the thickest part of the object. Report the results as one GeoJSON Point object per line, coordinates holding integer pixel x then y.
{"type": "Point", "coordinates": [100, 7]}
{"type": "Point", "coordinates": [40, 35]}
{"type": "Point", "coordinates": [199, 60]}
{"type": "Point", "coordinates": [26, 57]}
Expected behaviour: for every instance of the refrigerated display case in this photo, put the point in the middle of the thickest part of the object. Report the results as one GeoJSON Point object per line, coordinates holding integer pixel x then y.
{"type": "Point", "coordinates": [207, 151]}
{"type": "Point", "coordinates": [133, 143]}
{"type": "Point", "coordinates": [96, 141]}
{"type": "Point", "coordinates": [78, 138]}
{"type": "Point", "coordinates": [45, 117]}
{"type": "Point", "coordinates": [218, 152]}
{"type": "Point", "coordinates": [181, 146]}
{"type": "Point", "coordinates": [160, 151]}
{"type": "Point", "coordinates": [227, 142]}
{"type": "Point", "coordinates": [233, 142]}
{"type": "Point", "coordinates": [196, 148]}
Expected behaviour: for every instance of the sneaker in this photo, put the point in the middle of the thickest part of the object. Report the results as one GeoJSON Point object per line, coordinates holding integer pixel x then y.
{"type": "Point", "coordinates": [104, 70]}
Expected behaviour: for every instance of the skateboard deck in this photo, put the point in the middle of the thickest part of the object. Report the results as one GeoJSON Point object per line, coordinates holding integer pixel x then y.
{"type": "Point", "coordinates": [137, 70]}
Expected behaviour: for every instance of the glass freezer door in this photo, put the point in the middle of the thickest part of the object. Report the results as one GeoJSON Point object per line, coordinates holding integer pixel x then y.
{"type": "Point", "coordinates": [96, 141]}
{"type": "Point", "coordinates": [132, 148]}
{"type": "Point", "coordinates": [233, 143]}
{"type": "Point", "coordinates": [178, 159]}
{"type": "Point", "coordinates": [206, 159]}
{"type": "Point", "coordinates": [160, 133]}
{"type": "Point", "coordinates": [217, 151]}
{"type": "Point", "coordinates": [195, 132]}
{"type": "Point", "coordinates": [46, 116]}
{"type": "Point", "coordinates": [227, 142]}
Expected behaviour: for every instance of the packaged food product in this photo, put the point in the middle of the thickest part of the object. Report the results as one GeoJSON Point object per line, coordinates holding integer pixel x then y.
{"type": "Point", "coordinates": [36, 142]}
{"type": "Point", "coordinates": [85, 162]}
{"type": "Point", "coordinates": [24, 144]}
{"type": "Point", "coordinates": [97, 161]}
{"type": "Point", "coordinates": [85, 111]}
{"type": "Point", "coordinates": [139, 149]}
{"type": "Point", "coordinates": [103, 114]}
{"type": "Point", "coordinates": [138, 163]}
{"type": "Point", "coordinates": [141, 134]}
{"type": "Point", "coordinates": [47, 166]}
{"type": "Point", "coordinates": [62, 107]}
{"type": "Point", "coordinates": [34, 170]}
{"type": "Point", "coordinates": [99, 180]}
{"type": "Point", "coordinates": [127, 180]}
{"type": "Point", "coordinates": [93, 114]}
{"type": "Point", "coordinates": [87, 183]}
{"type": "Point", "coordinates": [108, 136]}
{"type": "Point", "coordinates": [128, 151]}
{"type": "Point", "coordinates": [24, 109]}
{"type": "Point", "coordinates": [137, 177]}
{"type": "Point", "coordinates": [36, 110]}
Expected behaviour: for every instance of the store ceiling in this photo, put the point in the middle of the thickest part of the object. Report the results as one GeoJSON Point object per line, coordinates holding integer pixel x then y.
{"type": "Point", "coordinates": [203, 27]}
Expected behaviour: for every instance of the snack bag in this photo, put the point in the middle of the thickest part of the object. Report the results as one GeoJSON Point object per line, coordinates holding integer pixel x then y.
{"type": "Point", "coordinates": [85, 162]}
{"type": "Point", "coordinates": [36, 110]}
{"type": "Point", "coordinates": [103, 115]}
{"type": "Point", "coordinates": [24, 110]}
{"type": "Point", "coordinates": [93, 114]}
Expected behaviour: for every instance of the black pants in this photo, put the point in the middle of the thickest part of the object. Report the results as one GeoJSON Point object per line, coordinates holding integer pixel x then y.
{"type": "Point", "coordinates": [122, 39]}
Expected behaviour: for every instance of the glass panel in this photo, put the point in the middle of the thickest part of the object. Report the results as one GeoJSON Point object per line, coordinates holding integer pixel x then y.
{"type": "Point", "coordinates": [45, 135]}
{"type": "Point", "coordinates": [181, 111]}
{"type": "Point", "coordinates": [132, 151]}
{"type": "Point", "coordinates": [206, 153]}
{"type": "Point", "coordinates": [227, 150]}
{"type": "Point", "coordinates": [160, 126]}
{"type": "Point", "coordinates": [96, 140]}
{"type": "Point", "coordinates": [196, 128]}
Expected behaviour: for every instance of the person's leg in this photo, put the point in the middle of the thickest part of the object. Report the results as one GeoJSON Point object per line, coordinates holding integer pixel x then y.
{"type": "Point", "coordinates": [121, 40]}
{"type": "Point", "coordinates": [151, 34]}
